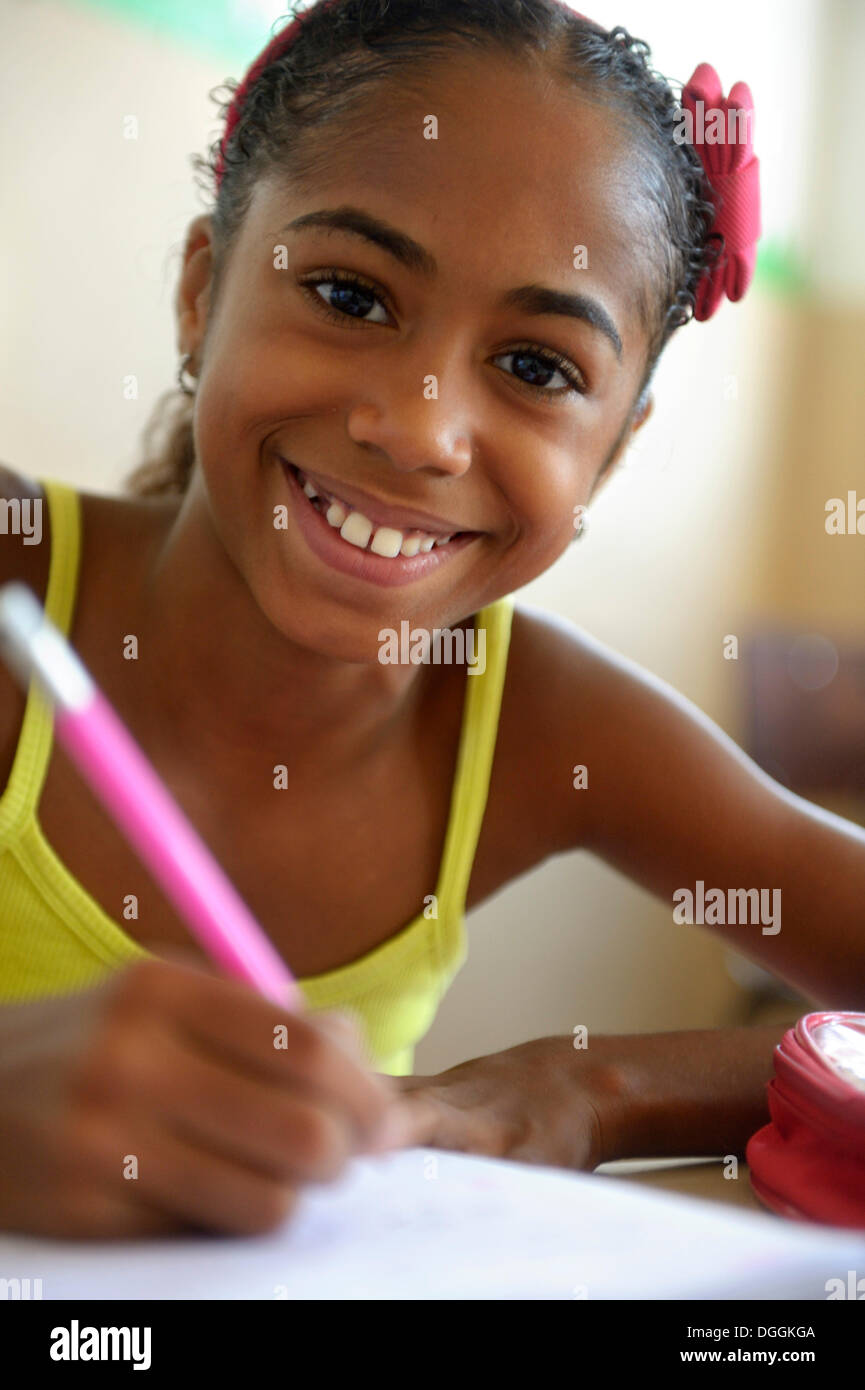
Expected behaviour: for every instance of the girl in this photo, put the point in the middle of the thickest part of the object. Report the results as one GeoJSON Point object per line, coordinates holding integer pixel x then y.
{"type": "Point", "coordinates": [402, 386]}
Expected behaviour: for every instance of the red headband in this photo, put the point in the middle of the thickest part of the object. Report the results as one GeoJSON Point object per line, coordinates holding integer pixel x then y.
{"type": "Point", "coordinates": [731, 166]}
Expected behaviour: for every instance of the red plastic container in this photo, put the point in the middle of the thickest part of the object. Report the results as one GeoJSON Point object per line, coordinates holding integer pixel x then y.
{"type": "Point", "coordinates": [809, 1163]}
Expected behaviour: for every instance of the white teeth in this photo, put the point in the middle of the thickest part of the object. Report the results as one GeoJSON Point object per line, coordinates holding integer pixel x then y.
{"type": "Point", "coordinates": [356, 529]}
{"type": "Point", "coordinates": [386, 541]}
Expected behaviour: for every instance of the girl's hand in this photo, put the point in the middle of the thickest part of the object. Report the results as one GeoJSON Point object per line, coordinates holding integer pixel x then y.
{"type": "Point", "coordinates": [646, 1095]}
{"type": "Point", "coordinates": [535, 1103]}
{"type": "Point", "coordinates": [161, 1101]}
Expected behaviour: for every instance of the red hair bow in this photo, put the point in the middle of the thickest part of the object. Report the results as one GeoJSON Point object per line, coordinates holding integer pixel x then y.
{"type": "Point", "coordinates": [733, 171]}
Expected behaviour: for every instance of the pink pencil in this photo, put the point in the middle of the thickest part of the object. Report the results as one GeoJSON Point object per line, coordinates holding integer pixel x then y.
{"type": "Point", "coordinates": [112, 763]}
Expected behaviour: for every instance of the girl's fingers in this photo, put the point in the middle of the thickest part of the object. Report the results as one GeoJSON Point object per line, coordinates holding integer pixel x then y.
{"type": "Point", "coordinates": [172, 1176]}
{"type": "Point", "coordinates": [403, 1128]}
{"type": "Point", "coordinates": [435, 1121]}
{"type": "Point", "coordinates": [211, 1192]}
{"type": "Point", "coordinates": [241, 1117]}
{"type": "Point", "coordinates": [229, 1023]}
{"type": "Point", "coordinates": [345, 1031]}
{"type": "Point", "coordinates": [97, 1215]}
{"type": "Point", "coordinates": [426, 1120]}
{"type": "Point", "coordinates": [411, 1083]}
{"type": "Point", "coordinates": [421, 1121]}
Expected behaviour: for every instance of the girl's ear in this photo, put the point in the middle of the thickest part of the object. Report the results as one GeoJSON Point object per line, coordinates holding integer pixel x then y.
{"type": "Point", "coordinates": [641, 412]}
{"type": "Point", "coordinates": [644, 408]}
{"type": "Point", "coordinates": [193, 289]}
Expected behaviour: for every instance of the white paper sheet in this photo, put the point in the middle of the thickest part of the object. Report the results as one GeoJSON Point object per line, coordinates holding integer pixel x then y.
{"type": "Point", "coordinates": [423, 1224]}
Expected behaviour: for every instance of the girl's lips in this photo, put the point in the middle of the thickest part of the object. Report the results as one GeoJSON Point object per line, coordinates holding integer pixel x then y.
{"type": "Point", "coordinates": [326, 542]}
{"type": "Point", "coordinates": [405, 519]}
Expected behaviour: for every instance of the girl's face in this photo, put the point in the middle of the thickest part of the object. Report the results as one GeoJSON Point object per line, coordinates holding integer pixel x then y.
{"type": "Point", "coordinates": [473, 383]}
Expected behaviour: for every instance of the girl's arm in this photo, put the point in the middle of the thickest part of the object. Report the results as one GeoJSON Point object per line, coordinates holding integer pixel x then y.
{"type": "Point", "coordinates": [671, 801]}
{"type": "Point", "coordinates": [652, 1095]}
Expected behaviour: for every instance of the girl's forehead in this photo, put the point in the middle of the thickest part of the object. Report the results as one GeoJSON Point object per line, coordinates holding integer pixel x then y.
{"type": "Point", "coordinates": [486, 126]}
{"type": "Point", "coordinates": [502, 176]}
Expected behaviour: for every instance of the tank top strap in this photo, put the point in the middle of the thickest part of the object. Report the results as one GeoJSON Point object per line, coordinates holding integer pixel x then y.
{"type": "Point", "coordinates": [20, 800]}
{"type": "Point", "coordinates": [480, 724]}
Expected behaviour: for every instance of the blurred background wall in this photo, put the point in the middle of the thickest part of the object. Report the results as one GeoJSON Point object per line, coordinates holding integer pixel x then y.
{"type": "Point", "coordinates": [713, 526]}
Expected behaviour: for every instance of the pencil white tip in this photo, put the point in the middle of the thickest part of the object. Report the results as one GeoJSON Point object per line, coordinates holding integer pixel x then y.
{"type": "Point", "coordinates": [31, 644]}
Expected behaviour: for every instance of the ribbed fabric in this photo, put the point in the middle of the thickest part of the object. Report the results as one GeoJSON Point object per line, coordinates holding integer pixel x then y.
{"type": "Point", "coordinates": [55, 938]}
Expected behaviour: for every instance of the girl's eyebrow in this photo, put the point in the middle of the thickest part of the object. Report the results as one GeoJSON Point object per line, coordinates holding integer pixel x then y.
{"type": "Point", "coordinates": [529, 299]}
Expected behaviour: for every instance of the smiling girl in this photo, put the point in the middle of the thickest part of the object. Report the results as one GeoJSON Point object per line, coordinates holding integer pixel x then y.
{"type": "Point", "coordinates": [400, 388]}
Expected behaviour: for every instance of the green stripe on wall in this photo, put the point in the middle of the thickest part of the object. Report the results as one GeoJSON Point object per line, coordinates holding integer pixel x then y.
{"type": "Point", "coordinates": [781, 269]}
{"type": "Point", "coordinates": [230, 29]}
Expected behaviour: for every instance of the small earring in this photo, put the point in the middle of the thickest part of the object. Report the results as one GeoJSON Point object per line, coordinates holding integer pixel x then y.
{"type": "Point", "coordinates": [182, 369]}
{"type": "Point", "coordinates": [581, 521]}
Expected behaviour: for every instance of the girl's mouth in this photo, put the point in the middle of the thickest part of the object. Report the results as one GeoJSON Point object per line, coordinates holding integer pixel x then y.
{"type": "Point", "coordinates": [351, 542]}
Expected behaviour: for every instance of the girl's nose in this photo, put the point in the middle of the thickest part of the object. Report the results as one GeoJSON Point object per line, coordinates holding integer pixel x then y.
{"type": "Point", "coordinates": [415, 432]}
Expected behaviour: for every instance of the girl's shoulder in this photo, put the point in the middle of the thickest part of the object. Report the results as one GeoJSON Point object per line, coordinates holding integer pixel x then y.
{"type": "Point", "coordinates": [583, 731]}
{"type": "Point", "coordinates": [114, 531]}
{"type": "Point", "coordinates": [553, 723]}
{"type": "Point", "coordinates": [107, 524]}
{"type": "Point", "coordinates": [598, 753]}
{"type": "Point", "coordinates": [24, 556]}
{"type": "Point", "coordinates": [23, 552]}
{"type": "Point", "coordinates": [547, 726]}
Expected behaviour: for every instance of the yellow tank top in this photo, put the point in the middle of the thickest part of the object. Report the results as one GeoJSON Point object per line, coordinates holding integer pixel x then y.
{"type": "Point", "coordinates": [55, 938]}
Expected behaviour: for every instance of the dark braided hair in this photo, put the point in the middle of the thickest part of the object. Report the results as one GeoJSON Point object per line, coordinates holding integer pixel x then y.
{"type": "Point", "coordinates": [348, 50]}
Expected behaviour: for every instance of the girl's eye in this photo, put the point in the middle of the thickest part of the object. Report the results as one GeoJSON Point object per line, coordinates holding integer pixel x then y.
{"type": "Point", "coordinates": [345, 298]}
{"type": "Point", "coordinates": [551, 364]}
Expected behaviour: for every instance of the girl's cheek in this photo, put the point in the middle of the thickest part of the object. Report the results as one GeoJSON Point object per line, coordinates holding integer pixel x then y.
{"type": "Point", "coordinates": [539, 546]}
{"type": "Point", "coordinates": [557, 503]}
